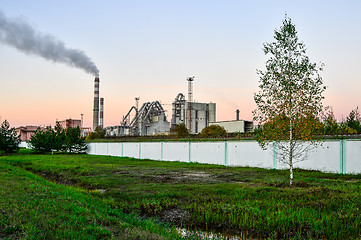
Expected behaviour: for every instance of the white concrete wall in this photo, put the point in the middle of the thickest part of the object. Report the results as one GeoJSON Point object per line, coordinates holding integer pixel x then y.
{"type": "Point", "coordinates": [208, 152]}
{"type": "Point", "coordinates": [338, 156]}
{"type": "Point", "coordinates": [115, 149]}
{"type": "Point", "coordinates": [131, 150]}
{"type": "Point", "coordinates": [250, 154]}
{"type": "Point", "coordinates": [92, 149]}
{"type": "Point", "coordinates": [325, 158]}
{"type": "Point", "coordinates": [176, 151]}
{"type": "Point", "coordinates": [353, 157]}
{"type": "Point", "coordinates": [102, 148]}
{"type": "Point", "coordinates": [151, 150]}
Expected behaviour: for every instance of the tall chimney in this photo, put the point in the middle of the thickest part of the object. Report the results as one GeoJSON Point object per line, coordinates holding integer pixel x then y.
{"type": "Point", "coordinates": [96, 104]}
{"type": "Point", "coordinates": [101, 114]}
{"type": "Point", "coordinates": [190, 100]}
{"type": "Point", "coordinates": [237, 114]}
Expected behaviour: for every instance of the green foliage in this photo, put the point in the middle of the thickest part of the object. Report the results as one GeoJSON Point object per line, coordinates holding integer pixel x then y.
{"type": "Point", "coordinates": [98, 133]}
{"type": "Point", "coordinates": [9, 140]}
{"type": "Point", "coordinates": [74, 142]}
{"type": "Point", "coordinates": [43, 140]}
{"type": "Point", "coordinates": [289, 102]}
{"type": "Point", "coordinates": [213, 131]}
{"type": "Point", "coordinates": [277, 129]}
{"type": "Point", "coordinates": [345, 130]}
{"type": "Point", "coordinates": [330, 126]}
{"type": "Point", "coordinates": [353, 120]}
{"type": "Point", "coordinates": [291, 88]}
{"type": "Point", "coordinates": [59, 140]}
{"type": "Point", "coordinates": [349, 126]}
{"type": "Point", "coordinates": [180, 130]}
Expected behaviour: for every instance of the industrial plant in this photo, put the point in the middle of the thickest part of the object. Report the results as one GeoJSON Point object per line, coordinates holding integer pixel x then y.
{"type": "Point", "coordinates": [151, 118]}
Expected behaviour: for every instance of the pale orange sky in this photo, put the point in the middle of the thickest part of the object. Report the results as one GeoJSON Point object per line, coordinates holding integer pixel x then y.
{"type": "Point", "coordinates": [148, 50]}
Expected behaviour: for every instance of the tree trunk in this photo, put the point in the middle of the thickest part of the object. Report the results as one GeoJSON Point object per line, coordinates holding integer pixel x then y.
{"type": "Point", "coordinates": [291, 172]}
{"type": "Point", "coordinates": [291, 154]}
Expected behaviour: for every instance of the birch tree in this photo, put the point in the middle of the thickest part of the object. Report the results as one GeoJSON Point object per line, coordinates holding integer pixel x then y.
{"type": "Point", "coordinates": [289, 101]}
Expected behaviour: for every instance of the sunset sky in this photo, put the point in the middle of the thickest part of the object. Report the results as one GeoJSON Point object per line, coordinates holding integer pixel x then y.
{"type": "Point", "coordinates": [147, 49]}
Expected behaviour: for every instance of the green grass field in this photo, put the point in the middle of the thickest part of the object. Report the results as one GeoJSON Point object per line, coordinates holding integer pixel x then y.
{"type": "Point", "coordinates": [102, 197]}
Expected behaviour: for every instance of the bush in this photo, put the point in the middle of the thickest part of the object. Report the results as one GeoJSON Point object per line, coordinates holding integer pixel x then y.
{"type": "Point", "coordinates": [213, 131]}
{"type": "Point", "coordinates": [99, 132]}
{"type": "Point", "coordinates": [180, 130]}
{"type": "Point", "coordinates": [9, 140]}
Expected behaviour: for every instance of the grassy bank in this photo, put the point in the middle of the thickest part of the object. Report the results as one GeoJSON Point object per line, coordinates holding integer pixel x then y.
{"type": "Point", "coordinates": [240, 201]}
{"type": "Point", "coordinates": [34, 208]}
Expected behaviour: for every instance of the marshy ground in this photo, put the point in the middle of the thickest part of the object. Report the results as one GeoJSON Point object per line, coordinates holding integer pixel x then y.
{"type": "Point", "coordinates": [102, 197]}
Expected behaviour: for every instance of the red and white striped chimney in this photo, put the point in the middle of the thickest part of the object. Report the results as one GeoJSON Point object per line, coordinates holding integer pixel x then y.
{"type": "Point", "coordinates": [96, 104]}
{"type": "Point", "coordinates": [101, 114]}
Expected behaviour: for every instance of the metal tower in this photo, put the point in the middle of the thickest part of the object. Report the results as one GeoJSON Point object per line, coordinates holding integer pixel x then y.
{"type": "Point", "coordinates": [136, 116]}
{"type": "Point", "coordinates": [190, 100]}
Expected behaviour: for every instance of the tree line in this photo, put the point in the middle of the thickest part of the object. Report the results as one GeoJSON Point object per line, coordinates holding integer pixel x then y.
{"type": "Point", "coordinates": [58, 140]}
{"type": "Point", "coordinates": [46, 140]}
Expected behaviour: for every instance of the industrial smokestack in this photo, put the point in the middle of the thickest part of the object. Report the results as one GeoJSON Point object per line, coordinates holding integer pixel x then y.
{"type": "Point", "coordinates": [101, 114]}
{"type": "Point", "coordinates": [190, 100]}
{"type": "Point", "coordinates": [237, 114]}
{"type": "Point", "coordinates": [96, 104]}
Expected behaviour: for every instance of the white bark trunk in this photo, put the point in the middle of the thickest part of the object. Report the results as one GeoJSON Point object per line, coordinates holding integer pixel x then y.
{"type": "Point", "coordinates": [291, 154]}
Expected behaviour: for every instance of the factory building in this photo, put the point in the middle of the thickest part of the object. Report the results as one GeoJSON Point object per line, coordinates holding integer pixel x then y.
{"type": "Point", "coordinates": [194, 115]}
{"type": "Point", "coordinates": [84, 131]}
{"type": "Point", "coordinates": [235, 126]}
{"type": "Point", "coordinates": [26, 132]}
{"type": "Point", "coordinates": [70, 123]}
{"type": "Point", "coordinates": [148, 120]}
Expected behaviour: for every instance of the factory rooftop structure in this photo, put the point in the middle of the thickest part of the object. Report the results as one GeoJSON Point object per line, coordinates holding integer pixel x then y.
{"type": "Point", "coordinates": [235, 126]}
{"type": "Point", "coordinates": [26, 132]}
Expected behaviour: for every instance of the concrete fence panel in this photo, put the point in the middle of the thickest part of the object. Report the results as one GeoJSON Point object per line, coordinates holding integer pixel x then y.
{"type": "Point", "coordinates": [249, 154]}
{"type": "Point", "coordinates": [115, 149]}
{"type": "Point", "coordinates": [208, 152]}
{"type": "Point", "coordinates": [102, 148]}
{"type": "Point", "coordinates": [352, 156]}
{"type": "Point", "coordinates": [176, 151]}
{"type": "Point", "coordinates": [325, 158]}
{"type": "Point", "coordinates": [131, 149]}
{"type": "Point", "coordinates": [151, 150]}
